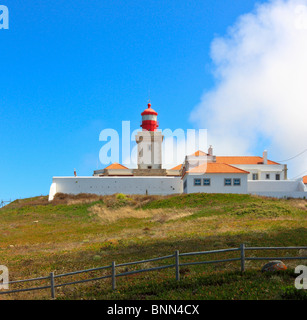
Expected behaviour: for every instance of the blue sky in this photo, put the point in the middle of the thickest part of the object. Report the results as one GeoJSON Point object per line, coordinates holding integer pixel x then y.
{"type": "Point", "coordinates": [72, 68]}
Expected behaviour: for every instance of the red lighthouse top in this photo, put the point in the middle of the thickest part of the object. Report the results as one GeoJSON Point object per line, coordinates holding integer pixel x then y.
{"type": "Point", "coordinates": [149, 119]}
{"type": "Point", "coordinates": [149, 110]}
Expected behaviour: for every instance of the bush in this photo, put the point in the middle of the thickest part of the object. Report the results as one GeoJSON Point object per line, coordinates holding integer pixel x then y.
{"type": "Point", "coordinates": [291, 293]}
{"type": "Point", "coordinates": [121, 196]}
{"type": "Point", "coordinates": [262, 210]}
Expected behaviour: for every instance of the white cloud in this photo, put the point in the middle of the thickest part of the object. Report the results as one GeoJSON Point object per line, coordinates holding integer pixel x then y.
{"type": "Point", "coordinates": [260, 96]}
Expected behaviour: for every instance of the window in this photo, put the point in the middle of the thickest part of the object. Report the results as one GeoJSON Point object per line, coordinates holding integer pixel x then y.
{"type": "Point", "coordinates": [149, 147]}
{"type": "Point", "coordinates": [236, 182]}
{"type": "Point", "coordinates": [149, 167]}
{"type": "Point", "coordinates": [227, 182]}
{"type": "Point", "coordinates": [207, 182]}
{"type": "Point", "coordinates": [277, 176]}
{"type": "Point", "coordinates": [197, 182]}
{"type": "Point", "coordinates": [255, 176]}
{"type": "Point", "coordinates": [267, 176]}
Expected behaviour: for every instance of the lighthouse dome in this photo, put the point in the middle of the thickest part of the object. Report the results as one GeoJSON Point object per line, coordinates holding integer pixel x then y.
{"type": "Point", "coordinates": [149, 110]}
{"type": "Point", "coordinates": [149, 119]}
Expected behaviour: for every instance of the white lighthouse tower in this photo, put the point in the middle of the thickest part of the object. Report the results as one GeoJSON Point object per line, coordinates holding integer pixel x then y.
{"type": "Point", "coordinates": [149, 142]}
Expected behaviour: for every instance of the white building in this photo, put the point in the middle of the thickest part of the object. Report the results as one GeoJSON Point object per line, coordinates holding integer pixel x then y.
{"type": "Point", "coordinates": [204, 172]}
{"type": "Point", "coordinates": [200, 172]}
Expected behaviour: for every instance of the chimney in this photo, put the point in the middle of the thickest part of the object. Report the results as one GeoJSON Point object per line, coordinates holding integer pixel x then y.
{"type": "Point", "coordinates": [265, 157]}
{"type": "Point", "coordinates": [210, 151]}
{"type": "Point", "coordinates": [75, 172]}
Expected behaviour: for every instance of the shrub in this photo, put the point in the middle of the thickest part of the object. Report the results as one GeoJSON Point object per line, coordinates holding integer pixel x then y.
{"type": "Point", "coordinates": [291, 293]}
{"type": "Point", "coordinates": [121, 196]}
{"type": "Point", "coordinates": [262, 210]}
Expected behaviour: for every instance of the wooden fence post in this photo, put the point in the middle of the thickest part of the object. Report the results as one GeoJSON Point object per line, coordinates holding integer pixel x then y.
{"type": "Point", "coordinates": [242, 248]}
{"type": "Point", "coordinates": [177, 265]}
{"type": "Point", "coordinates": [52, 285]}
{"type": "Point", "coordinates": [113, 276]}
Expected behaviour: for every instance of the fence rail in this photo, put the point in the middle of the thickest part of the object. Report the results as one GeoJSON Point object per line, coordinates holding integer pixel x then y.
{"type": "Point", "coordinates": [176, 256]}
{"type": "Point", "coordinates": [4, 203]}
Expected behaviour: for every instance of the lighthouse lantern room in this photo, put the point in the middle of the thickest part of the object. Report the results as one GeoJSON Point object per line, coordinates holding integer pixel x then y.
{"type": "Point", "coordinates": [149, 119]}
{"type": "Point", "coordinates": [149, 141]}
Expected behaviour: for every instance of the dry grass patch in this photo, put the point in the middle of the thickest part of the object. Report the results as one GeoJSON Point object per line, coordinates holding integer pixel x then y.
{"type": "Point", "coordinates": [59, 199]}
{"type": "Point", "coordinates": [107, 215]}
{"type": "Point", "coordinates": [299, 203]}
{"type": "Point", "coordinates": [163, 215]}
{"type": "Point", "coordinates": [111, 201]}
{"type": "Point", "coordinates": [111, 215]}
{"type": "Point", "coordinates": [70, 199]}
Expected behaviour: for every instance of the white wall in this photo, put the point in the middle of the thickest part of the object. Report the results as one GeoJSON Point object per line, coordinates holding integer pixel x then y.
{"type": "Point", "coordinates": [275, 186]}
{"type": "Point", "coordinates": [174, 185]}
{"type": "Point", "coordinates": [294, 194]}
{"type": "Point", "coordinates": [112, 185]}
{"type": "Point", "coordinates": [262, 170]}
{"type": "Point", "coordinates": [217, 183]}
{"type": "Point", "coordinates": [278, 189]}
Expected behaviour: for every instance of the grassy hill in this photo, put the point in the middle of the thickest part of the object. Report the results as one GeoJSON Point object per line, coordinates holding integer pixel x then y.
{"type": "Point", "coordinates": [86, 231]}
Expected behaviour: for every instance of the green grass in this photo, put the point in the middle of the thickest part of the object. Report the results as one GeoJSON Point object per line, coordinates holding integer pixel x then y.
{"type": "Point", "coordinates": [215, 285]}
{"type": "Point", "coordinates": [199, 200]}
{"type": "Point", "coordinates": [69, 234]}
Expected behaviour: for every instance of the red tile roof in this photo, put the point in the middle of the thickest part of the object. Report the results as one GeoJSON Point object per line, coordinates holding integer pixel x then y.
{"type": "Point", "coordinates": [115, 166]}
{"type": "Point", "coordinates": [177, 167]}
{"type": "Point", "coordinates": [236, 159]}
{"type": "Point", "coordinates": [213, 167]}
{"type": "Point", "coordinates": [242, 160]}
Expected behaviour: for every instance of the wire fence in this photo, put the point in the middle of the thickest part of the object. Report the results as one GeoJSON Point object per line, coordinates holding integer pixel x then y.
{"type": "Point", "coordinates": [176, 265]}
{"type": "Point", "coordinates": [4, 203]}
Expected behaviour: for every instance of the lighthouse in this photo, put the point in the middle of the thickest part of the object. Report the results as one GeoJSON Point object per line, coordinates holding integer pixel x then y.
{"type": "Point", "coordinates": [149, 141]}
